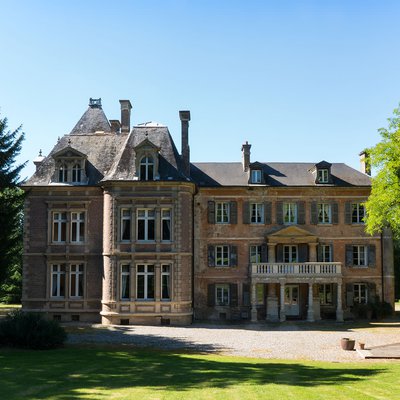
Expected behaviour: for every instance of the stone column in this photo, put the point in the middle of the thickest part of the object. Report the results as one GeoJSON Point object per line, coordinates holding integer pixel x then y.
{"type": "Point", "coordinates": [310, 311]}
{"type": "Point", "coordinates": [253, 303]}
{"type": "Point", "coordinates": [282, 314]}
{"type": "Point", "coordinates": [317, 303]}
{"type": "Point", "coordinates": [339, 308]}
{"type": "Point", "coordinates": [272, 304]}
{"type": "Point", "coordinates": [271, 252]}
{"type": "Point", "coordinates": [313, 252]}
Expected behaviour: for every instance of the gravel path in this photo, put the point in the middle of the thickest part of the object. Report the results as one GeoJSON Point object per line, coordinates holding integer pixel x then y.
{"type": "Point", "coordinates": [286, 341]}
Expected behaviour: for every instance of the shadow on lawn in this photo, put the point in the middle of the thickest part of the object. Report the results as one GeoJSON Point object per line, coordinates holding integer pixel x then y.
{"type": "Point", "coordinates": [72, 373]}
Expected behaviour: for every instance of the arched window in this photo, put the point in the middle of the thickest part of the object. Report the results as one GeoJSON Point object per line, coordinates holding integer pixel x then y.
{"type": "Point", "coordinates": [76, 173]}
{"type": "Point", "coordinates": [146, 169]}
{"type": "Point", "coordinates": [62, 173]}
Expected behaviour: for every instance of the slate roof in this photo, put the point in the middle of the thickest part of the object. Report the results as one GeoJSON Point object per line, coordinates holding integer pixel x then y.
{"type": "Point", "coordinates": [276, 174]}
{"type": "Point", "coordinates": [93, 120]}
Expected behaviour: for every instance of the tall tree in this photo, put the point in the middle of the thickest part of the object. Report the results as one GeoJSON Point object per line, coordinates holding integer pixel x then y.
{"type": "Point", "coordinates": [11, 208]}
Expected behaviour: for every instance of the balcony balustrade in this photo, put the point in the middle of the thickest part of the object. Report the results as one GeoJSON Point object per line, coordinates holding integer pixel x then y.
{"type": "Point", "coordinates": [306, 269]}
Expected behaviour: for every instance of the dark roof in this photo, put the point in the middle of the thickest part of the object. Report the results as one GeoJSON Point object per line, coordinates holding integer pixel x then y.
{"type": "Point", "coordinates": [93, 120]}
{"type": "Point", "coordinates": [276, 174]}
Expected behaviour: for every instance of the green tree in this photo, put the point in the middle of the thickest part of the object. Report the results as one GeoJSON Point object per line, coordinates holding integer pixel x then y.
{"type": "Point", "coordinates": [11, 213]}
{"type": "Point", "coordinates": [383, 205]}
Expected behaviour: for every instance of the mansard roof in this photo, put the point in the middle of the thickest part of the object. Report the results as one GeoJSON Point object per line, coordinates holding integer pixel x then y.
{"type": "Point", "coordinates": [276, 174]}
{"type": "Point", "coordinates": [92, 121]}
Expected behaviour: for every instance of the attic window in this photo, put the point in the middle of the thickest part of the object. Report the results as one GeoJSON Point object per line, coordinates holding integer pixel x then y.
{"type": "Point", "coordinates": [63, 173]}
{"type": "Point", "coordinates": [146, 169]}
{"type": "Point", "coordinates": [255, 176]}
{"type": "Point", "coordinates": [323, 175]}
{"type": "Point", "coordinates": [76, 173]}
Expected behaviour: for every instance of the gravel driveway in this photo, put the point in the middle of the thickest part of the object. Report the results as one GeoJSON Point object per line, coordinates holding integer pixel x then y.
{"type": "Point", "coordinates": [290, 340]}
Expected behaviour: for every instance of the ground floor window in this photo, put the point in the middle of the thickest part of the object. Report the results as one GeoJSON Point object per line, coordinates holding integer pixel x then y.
{"type": "Point", "coordinates": [58, 280]}
{"type": "Point", "coordinates": [125, 282]}
{"type": "Point", "coordinates": [76, 280]}
{"type": "Point", "coordinates": [222, 294]}
{"type": "Point", "coordinates": [165, 282]}
{"type": "Point", "coordinates": [360, 293]}
{"type": "Point", "coordinates": [145, 282]}
{"type": "Point", "coordinates": [325, 294]}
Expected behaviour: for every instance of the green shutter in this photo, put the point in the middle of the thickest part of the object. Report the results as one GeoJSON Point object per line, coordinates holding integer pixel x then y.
{"type": "Point", "coordinates": [279, 212]}
{"type": "Point", "coordinates": [371, 256]}
{"type": "Point", "coordinates": [211, 212]}
{"type": "Point", "coordinates": [335, 213]}
{"type": "Point", "coordinates": [233, 295]}
{"type": "Point", "coordinates": [268, 213]}
{"type": "Point", "coordinates": [347, 213]}
{"type": "Point", "coordinates": [233, 212]}
{"type": "Point", "coordinates": [314, 213]}
{"type": "Point", "coordinates": [301, 212]}
{"type": "Point", "coordinates": [349, 295]}
{"type": "Point", "coordinates": [233, 256]}
{"type": "Point", "coordinates": [246, 294]}
{"type": "Point", "coordinates": [211, 256]}
{"type": "Point", "coordinates": [211, 295]}
{"type": "Point", "coordinates": [246, 212]}
{"type": "Point", "coordinates": [349, 255]}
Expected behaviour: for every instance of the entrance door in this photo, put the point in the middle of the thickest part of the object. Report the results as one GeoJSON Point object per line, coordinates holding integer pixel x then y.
{"type": "Point", "coordinates": [292, 307]}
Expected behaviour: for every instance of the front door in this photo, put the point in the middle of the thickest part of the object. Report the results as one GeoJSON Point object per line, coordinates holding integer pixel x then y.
{"type": "Point", "coordinates": [292, 308]}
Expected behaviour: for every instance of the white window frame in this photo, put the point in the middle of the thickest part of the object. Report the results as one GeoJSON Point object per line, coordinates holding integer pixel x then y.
{"type": "Point", "coordinates": [222, 294]}
{"type": "Point", "coordinates": [324, 213]}
{"type": "Point", "coordinates": [76, 173]}
{"type": "Point", "coordinates": [59, 219]}
{"type": "Point", "coordinates": [166, 274]}
{"type": "Point", "coordinates": [256, 213]}
{"type": "Point", "coordinates": [357, 213]}
{"type": "Point", "coordinates": [289, 213]}
{"type": "Point", "coordinates": [76, 285]}
{"type": "Point", "coordinates": [256, 176]}
{"type": "Point", "coordinates": [222, 212]}
{"type": "Point", "coordinates": [147, 274]}
{"type": "Point", "coordinates": [360, 255]}
{"type": "Point", "coordinates": [78, 221]}
{"type": "Point", "coordinates": [325, 294]}
{"type": "Point", "coordinates": [358, 289]}
{"type": "Point", "coordinates": [149, 215]}
{"type": "Point", "coordinates": [166, 215]}
{"type": "Point", "coordinates": [290, 253]}
{"type": "Point", "coordinates": [222, 255]}
{"type": "Point", "coordinates": [63, 173]}
{"type": "Point", "coordinates": [57, 272]}
{"type": "Point", "coordinates": [125, 280]}
{"type": "Point", "coordinates": [145, 163]}
{"type": "Point", "coordinates": [323, 175]}
{"type": "Point", "coordinates": [326, 253]}
{"type": "Point", "coordinates": [255, 253]}
{"type": "Point", "coordinates": [126, 215]}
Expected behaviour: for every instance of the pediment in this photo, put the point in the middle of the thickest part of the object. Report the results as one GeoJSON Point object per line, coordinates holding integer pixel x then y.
{"type": "Point", "coordinates": [146, 144]}
{"type": "Point", "coordinates": [292, 234]}
{"type": "Point", "coordinates": [68, 152]}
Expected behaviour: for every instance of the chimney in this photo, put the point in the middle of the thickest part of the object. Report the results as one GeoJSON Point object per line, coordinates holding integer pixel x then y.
{"type": "Point", "coordinates": [115, 125]}
{"type": "Point", "coordinates": [185, 118]}
{"type": "Point", "coordinates": [365, 163]}
{"type": "Point", "coordinates": [38, 160]}
{"type": "Point", "coordinates": [246, 155]}
{"type": "Point", "coordinates": [126, 107]}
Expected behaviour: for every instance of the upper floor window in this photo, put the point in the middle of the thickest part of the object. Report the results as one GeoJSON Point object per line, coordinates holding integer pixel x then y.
{"type": "Point", "coordinates": [360, 255]}
{"type": "Point", "coordinates": [324, 213]}
{"type": "Point", "coordinates": [62, 173]}
{"type": "Point", "coordinates": [255, 253]}
{"type": "Point", "coordinates": [146, 168]}
{"type": "Point", "coordinates": [325, 253]}
{"type": "Point", "coordinates": [76, 173]}
{"type": "Point", "coordinates": [323, 175]}
{"type": "Point", "coordinates": [77, 227]}
{"type": "Point", "coordinates": [257, 213]}
{"type": "Point", "coordinates": [222, 212]}
{"type": "Point", "coordinates": [125, 224]}
{"type": "Point", "coordinates": [255, 176]}
{"type": "Point", "coordinates": [59, 234]}
{"type": "Point", "coordinates": [72, 222]}
{"type": "Point", "coordinates": [222, 256]}
{"type": "Point", "coordinates": [290, 213]}
{"type": "Point", "coordinates": [357, 213]}
{"type": "Point", "coordinates": [290, 253]}
{"type": "Point", "coordinates": [146, 224]}
{"type": "Point", "coordinates": [166, 225]}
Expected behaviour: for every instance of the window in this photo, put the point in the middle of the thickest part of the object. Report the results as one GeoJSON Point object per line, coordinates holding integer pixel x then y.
{"type": "Point", "coordinates": [222, 295]}
{"type": "Point", "coordinates": [222, 256]}
{"type": "Point", "coordinates": [125, 282]}
{"type": "Point", "coordinates": [63, 173]}
{"type": "Point", "coordinates": [165, 282]}
{"type": "Point", "coordinates": [357, 213]}
{"type": "Point", "coordinates": [125, 224]}
{"type": "Point", "coordinates": [166, 225]}
{"type": "Point", "coordinates": [255, 254]}
{"type": "Point", "coordinates": [145, 282]}
{"type": "Point", "coordinates": [325, 294]}
{"type": "Point", "coordinates": [360, 257]}
{"type": "Point", "coordinates": [290, 213]}
{"type": "Point", "coordinates": [324, 213]}
{"type": "Point", "coordinates": [58, 280]}
{"type": "Point", "coordinates": [222, 213]}
{"type": "Point", "coordinates": [326, 253]}
{"type": "Point", "coordinates": [257, 213]}
{"type": "Point", "coordinates": [59, 227]}
{"type": "Point", "coordinates": [76, 173]}
{"type": "Point", "coordinates": [255, 176]}
{"type": "Point", "coordinates": [289, 253]}
{"type": "Point", "coordinates": [145, 224]}
{"type": "Point", "coordinates": [360, 291]}
{"type": "Point", "coordinates": [76, 280]}
{"type": "Point", "coordinates": [77, 227]}
{"type": "Point", "coordinates": [323, 175]}
{"type": "Point", "coordinates": [146, 169]}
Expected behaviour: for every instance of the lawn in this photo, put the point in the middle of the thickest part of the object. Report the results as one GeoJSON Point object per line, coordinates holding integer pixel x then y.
{"type": "Point", "coordinates": [128, 373]}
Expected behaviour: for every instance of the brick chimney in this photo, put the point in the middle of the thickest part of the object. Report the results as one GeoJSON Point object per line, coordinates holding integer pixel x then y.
{"type": "Point", "coordinates": [126, 107]}
{"type": "Point", "coordinates": [365, 163]}
{"type": "Point", "coordinates": [246, 156]}
{"type": "Point", "coordinates": [185, 150]}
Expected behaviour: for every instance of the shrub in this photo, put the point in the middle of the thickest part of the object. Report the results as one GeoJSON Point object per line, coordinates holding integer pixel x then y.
{"type": "Point", "coordinates": [382, 309]}
{"type": "Point", "coordinates": [30, 330]}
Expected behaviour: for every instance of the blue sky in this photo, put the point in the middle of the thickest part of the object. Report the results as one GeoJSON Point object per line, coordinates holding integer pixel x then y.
{"type": "Point", "coordinates": [300, 80]}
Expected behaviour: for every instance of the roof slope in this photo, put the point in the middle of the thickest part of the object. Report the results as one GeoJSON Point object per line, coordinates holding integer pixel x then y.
{"type": "Point", "coordinates": [93, 120]}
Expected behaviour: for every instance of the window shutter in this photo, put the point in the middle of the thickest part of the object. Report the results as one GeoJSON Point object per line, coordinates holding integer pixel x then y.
{"type": "Point", "coordinates": [349, 255]}
{"type": "Point", "coordinates": [371, 295]}
{"type": "Point", "coordinates": [335, 213]}
{"type": "Point", "coordinates": [233, 256]}
{"type": "Point", "coordinates": [349, 295]}
{"type": "Point", "coordinates": [267, 213]}
{"type": "Point", "coordinates": [314, 213]}
{"type": "Point", "coordinates": [211, 256]}
{"type": "Point", "coordinates": [347, 213]}
{"type": "Point", "coordinates": [301, 212]}
{"type": "Point", "coordinates": [264, 253]}
{"type": "Point", "coordinates": [211, 212]}
{"type": "Point", "coordinates": [331, 246]}
{"type": "Point", "coordinates": [211, 295]}
{"type": "Point", "coordinates": [371, 256]}
{"type": "Point", "coordinates": [279, 253]}
{"type": "Point", "coordinates": [319, 253]}
{"type": "Point", "coordinates": [233, 294]}
{"type": "Point", "coordinates": [233, 212]}
{"type": "Point", "coordinates": [246, 294]}
{"type": "Point", "coordinates": [279, 213]}
{"type": "Point", "coordinates": [246, 212]}
{"type": "Point", "coordinates": [303, 252]}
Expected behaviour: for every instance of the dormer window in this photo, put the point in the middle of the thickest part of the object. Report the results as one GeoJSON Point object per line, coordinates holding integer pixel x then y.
{"type": "Point", "coordinates": [76, 173]}
{"type": "Point", "coordinates": [323, 176]}
{"type": "Point", "coordinates": [255, 176]}
{"type": "Point", "coordinates": [146, 169]}
{"type": "Point", "coordinates": [70, 166]}
{"type": "Point", "coordinates": [63, 173]}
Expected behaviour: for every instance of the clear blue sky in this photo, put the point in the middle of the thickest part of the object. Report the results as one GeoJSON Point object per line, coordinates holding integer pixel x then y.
{"type": "Point", "coordinates": [300, 80]}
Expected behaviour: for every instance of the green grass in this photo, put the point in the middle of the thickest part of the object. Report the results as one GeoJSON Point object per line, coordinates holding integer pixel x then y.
{"type": "Point", "coordinates": [9, 306]}
{"type": "Point", "coordinates": [127, 373]}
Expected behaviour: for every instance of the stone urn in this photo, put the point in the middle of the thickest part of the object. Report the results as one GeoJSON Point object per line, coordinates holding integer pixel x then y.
{"type": "Point", "coordinates": [347, 343]}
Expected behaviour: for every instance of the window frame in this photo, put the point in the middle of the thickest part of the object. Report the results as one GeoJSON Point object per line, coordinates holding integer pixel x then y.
{"type": "Point", "coordinates": [255, 253]}
{"type": "Point", "coordinates": [147, 219]}
{"type": "Point", "coordinates": [222, 294]}
{"type": "Point", "coordinates": [222, 212]}
{"type": "Point", "coordinates": [256, 176]}
{"type": "Point", "coordinates": [324, 248]}
{"type": "Point", "coordinates": [76, 173]}
{"type": "Point", "coordinates": [125, 275]}
{"type": "Point", "coordinates": [290, 248]}
{"type": "Point", "coordinates": [257, 211]}
{"type": "Point", "coordinates": [356, 217]}
{"type": "Point", "coordinates": [166, 219]}
{"type": "Point", "coordinates": [146, 274]}
{"type": "Point", "coordinates": [224, 251]}
{"type": "Point", "coordinates": [59, 285]}
{"type": "Point", "coordinates": [166, 276]}
{"type": "Point", "coordinates": [123, 219]}
{"type": "Point", "coordinates": [146, 163]}
{"type": "Point", "coordinates": [80, 227]}
{"type": "Point", "coordinates": [360, 254]}
{"type": "Point", "coordinates": [357, 293]}
{"type": "Point", "coordinates": [321, 213]}
{"type": "Point", "coordinates": [323, 175]}
{"type": "Point", "coordinates": [62, 173]}
{"type": "Point", "coordinates": [324, 294]}
{"type": "Point", "coordinates": [287, 211]}
{"type": "Point", "coordinates": [59, 222]}
{"type": "Point", "coordinates": [79, 280]}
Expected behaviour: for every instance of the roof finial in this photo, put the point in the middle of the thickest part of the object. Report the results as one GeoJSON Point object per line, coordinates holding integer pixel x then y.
{"type": "Point", "coordinates": [69, 142]}
{"type": "Point", "coordinates": [40, 153]}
